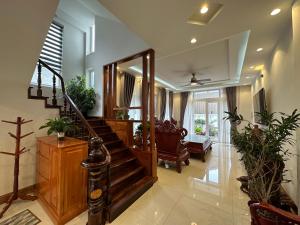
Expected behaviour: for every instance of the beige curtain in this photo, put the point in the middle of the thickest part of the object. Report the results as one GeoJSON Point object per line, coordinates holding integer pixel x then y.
{"type": "Point", "coordinates": [184, 98]}
{"type": "Point", "coordinates": [171, 104]}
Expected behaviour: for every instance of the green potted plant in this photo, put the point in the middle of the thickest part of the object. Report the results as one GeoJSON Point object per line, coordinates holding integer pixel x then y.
{"type": "Point", "coordinates": [83, 97]}
{"type": "Point", "coordinates": [198, 130]}
{"type": "Point", "coordinates": [263, 152]}
{"type": "Point", "coordinates": [59, 126]}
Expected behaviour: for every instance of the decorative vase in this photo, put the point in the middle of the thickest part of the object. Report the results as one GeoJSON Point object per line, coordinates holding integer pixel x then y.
{"type": "Point", "coordinates": [60, 136]}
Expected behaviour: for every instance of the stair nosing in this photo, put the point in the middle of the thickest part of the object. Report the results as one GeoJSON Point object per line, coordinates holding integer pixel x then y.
{"type": "Point", "coordinates": [120, 162]}
{"type": "Point", "coordinates": [125, 177]}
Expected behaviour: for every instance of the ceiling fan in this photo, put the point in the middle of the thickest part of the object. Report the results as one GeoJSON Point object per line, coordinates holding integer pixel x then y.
{"type": "Point", "coordinates": [194, 81]}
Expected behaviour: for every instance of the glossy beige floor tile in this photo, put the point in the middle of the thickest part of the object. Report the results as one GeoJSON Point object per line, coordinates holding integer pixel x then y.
{"type": "Point", "coordinates": [203, 194]}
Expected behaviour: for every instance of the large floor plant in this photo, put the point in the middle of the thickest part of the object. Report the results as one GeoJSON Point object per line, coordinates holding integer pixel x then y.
{"type": "Point", "coordinates": [83, 97]}
{"type": "Point", "coordinates": [263, 151]}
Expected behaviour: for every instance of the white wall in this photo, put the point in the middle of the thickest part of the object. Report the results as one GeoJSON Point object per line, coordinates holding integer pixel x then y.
{"type": "Point", "coordinates": [113, 41]}
{"type": "Point", "coordinates": [245, 102]}
{"type": "Point", "coordinates": [281, 81]}
{"type": "Point", "coordinates": [24, 25]}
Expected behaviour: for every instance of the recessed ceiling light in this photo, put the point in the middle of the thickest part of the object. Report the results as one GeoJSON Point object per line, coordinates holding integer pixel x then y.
{"type": "Point", "coordinates": [275, 12]}
{"type": "Point", "coordinates": [259, 49]}
{"type": "Point", "coordinates": [248, 77]}
{"type": "Point", "coordinates": [118, 67]}
{"type": "Point", "coordinates": [204, 9]}
{"type": "Point", "coordinates": [193, 41]}
{"type": "Point", "coordinates": [148, 57]}
{"type": "Point", "coordinates": [251, 67]}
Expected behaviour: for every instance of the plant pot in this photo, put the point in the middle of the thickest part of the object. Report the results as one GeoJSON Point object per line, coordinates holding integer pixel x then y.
{"type": "Point", "coordinates": [60, 136]}
{"type": "Point", "coordinates": [261, 216]}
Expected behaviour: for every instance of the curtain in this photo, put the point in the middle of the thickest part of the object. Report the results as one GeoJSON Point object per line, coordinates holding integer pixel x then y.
{"type": "Point", "coordinates": [188, 119]}
{"type": "Point", "coordinates": [171, 104]}
{"type": "Point", "coordinates": [184, 98]}
{"type": "Point", "coordinates": [136, 100]}
{"type": "Point", "coordinates": [231, 102]}
{"type": "Point", "coordinates": [127, 89]}
{"type": "Point", "coordinates": [224, 124]}
{"type": "Point", "coordinates": [163, 96]}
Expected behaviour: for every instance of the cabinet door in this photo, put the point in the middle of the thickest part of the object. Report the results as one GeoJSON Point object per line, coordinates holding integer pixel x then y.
{"type": "Point", "coordinates": [74, 179]}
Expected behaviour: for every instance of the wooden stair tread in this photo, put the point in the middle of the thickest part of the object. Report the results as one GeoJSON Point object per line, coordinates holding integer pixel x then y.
{"type": "Point", "coordinates": [122, 200]}
{"type": "Point", "coordinates": [37, 97]}
{"type": "Point", "coordinates": [136, 185]}
{"type": "Point", "coordinates": [118, 178]}
{"type": "Point", "coordinates": [107, 133]}
{"type": "Point", "coordinates": [122, 161]}
{"type": "Point", "coordinates": [118, 150]}
{"type": "Point", "coordinates": [112, 142]}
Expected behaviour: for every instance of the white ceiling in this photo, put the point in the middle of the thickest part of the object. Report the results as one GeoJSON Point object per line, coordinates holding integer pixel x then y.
{"type": "Point", "coordinates": [221, 45]}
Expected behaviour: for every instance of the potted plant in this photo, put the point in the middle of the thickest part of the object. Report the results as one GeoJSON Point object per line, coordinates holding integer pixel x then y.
{"type": "Point", "coordinates": [83, 97]}
{"type": "Point", "coordinates": [138, 139]}
{"type": "Point", "coordinates": [59, 126]}
{"type": "Point", "coordinates": [198, 130]}
{"type": "Point", "coordinates": [263, 152]}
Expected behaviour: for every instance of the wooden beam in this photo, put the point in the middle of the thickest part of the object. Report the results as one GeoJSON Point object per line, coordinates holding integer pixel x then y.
{"type": "Point", "coordinates": [132, 57]}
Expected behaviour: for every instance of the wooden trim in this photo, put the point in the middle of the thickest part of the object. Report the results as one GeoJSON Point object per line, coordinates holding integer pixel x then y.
{"type": "Point", "coordinates": [105, 80]}
{"type": "Point", "coordinates": [132, 57]}
{"type": "Point", "coordinates": [26, 190]}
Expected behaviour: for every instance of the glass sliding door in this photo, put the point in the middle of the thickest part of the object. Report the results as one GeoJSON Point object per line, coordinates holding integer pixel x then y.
{"type": "Point", "coordinates": [213, 119]}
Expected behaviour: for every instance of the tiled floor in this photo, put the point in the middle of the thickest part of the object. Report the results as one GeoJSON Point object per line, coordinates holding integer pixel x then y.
{"type": "Point", "coordinates": [203, 194]}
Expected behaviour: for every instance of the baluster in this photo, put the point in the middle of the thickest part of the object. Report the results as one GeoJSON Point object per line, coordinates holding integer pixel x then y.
{"type": "Point", "coordinates": [39, 81]}
{"type": "Point", "coordinates": [54, 100]}
{"type": "Point", "coordinates": [65, 106]}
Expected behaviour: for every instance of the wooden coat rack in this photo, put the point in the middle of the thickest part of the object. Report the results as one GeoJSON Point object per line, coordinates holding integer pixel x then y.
{"type": "Point", "coordinates": [18, 151]}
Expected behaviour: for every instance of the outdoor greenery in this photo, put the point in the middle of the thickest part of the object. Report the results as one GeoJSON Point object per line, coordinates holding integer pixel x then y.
{"type": "Point", "coordinates": [83, 97]}
{"type": "Point", "coordinates": [58, 125]}
{"type": "Point", "coordinates": [264, 151]}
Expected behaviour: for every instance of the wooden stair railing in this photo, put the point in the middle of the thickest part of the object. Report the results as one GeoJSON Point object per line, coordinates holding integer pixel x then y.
{"type": "Point", "coordinates": [123, 179]}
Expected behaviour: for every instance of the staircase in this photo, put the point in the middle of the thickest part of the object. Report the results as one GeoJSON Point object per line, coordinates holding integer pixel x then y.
{"type": "Point", "coordinates": [127, 179]}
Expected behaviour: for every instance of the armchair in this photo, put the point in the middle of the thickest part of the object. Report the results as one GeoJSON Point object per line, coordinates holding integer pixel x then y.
{"type": "Point", "coordinates": [170, 144]}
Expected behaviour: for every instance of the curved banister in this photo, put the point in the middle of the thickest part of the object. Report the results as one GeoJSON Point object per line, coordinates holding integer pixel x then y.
{"type": "Point", "coordinates": [75, 108]}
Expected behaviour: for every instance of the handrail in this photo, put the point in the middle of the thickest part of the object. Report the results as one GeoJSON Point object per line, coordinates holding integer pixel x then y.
{"type": "Point", "coordinates": [56, 74]}
{"type": "Point", "coordinates": [75, 108]}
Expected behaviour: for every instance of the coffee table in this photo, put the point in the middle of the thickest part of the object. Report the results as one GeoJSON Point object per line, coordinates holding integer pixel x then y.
{"type": "Point", "coordinates": [198, 144]}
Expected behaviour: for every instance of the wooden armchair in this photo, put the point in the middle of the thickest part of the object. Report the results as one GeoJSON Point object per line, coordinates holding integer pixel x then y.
{"type": "Point", "coordinates": [170, 144]}
{"type": "Point", "coordinates": [265, 214]}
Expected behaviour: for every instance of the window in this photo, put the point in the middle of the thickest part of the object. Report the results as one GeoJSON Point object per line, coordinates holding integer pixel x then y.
{"type": "Point", "coordinates": [51, 54]}
{"type": "Point", "coordinates": [206, 113]}
{"type": "Point", "coordinates": [91, 78]}
{"type": "Point", "coordinates": [90, 40]}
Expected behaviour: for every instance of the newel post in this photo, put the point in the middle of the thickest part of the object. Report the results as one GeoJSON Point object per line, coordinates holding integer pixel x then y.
{"type": "Point", "coordinates": [96, 165]}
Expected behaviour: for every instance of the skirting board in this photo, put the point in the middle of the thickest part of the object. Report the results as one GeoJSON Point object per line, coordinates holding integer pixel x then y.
{"type": "Point", "coordinates": [26, 190]}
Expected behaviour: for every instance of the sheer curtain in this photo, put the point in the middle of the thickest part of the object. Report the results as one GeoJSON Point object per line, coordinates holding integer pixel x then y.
{"type": "Point", "coordinates": [224, 124]}
{"type": "Point", "coordinates": [167, 114]}
{"type": "Point", "coordinates": [188, 119]}
{"type": "Point", "coordinates": [136, 100]}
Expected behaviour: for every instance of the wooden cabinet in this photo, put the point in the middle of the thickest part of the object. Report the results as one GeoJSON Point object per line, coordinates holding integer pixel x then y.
{"type": "Point", "coordinates": [61, 182]}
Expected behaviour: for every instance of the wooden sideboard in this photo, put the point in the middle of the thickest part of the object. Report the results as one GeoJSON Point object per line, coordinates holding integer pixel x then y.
{"type": "Point", "coordinates": [61, 182]}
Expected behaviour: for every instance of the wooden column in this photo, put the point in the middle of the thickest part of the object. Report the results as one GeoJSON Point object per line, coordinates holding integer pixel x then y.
{"type": "Point", "coordinates": [105, 91]}
{"type": "Point", "coordinates": [151, 113]}
{"type": "Point", "coordinates": [145, 101]}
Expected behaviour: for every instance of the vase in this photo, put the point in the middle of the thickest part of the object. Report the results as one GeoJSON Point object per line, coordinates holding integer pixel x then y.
{"type": "Point", "coordinates": [60, 136]}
